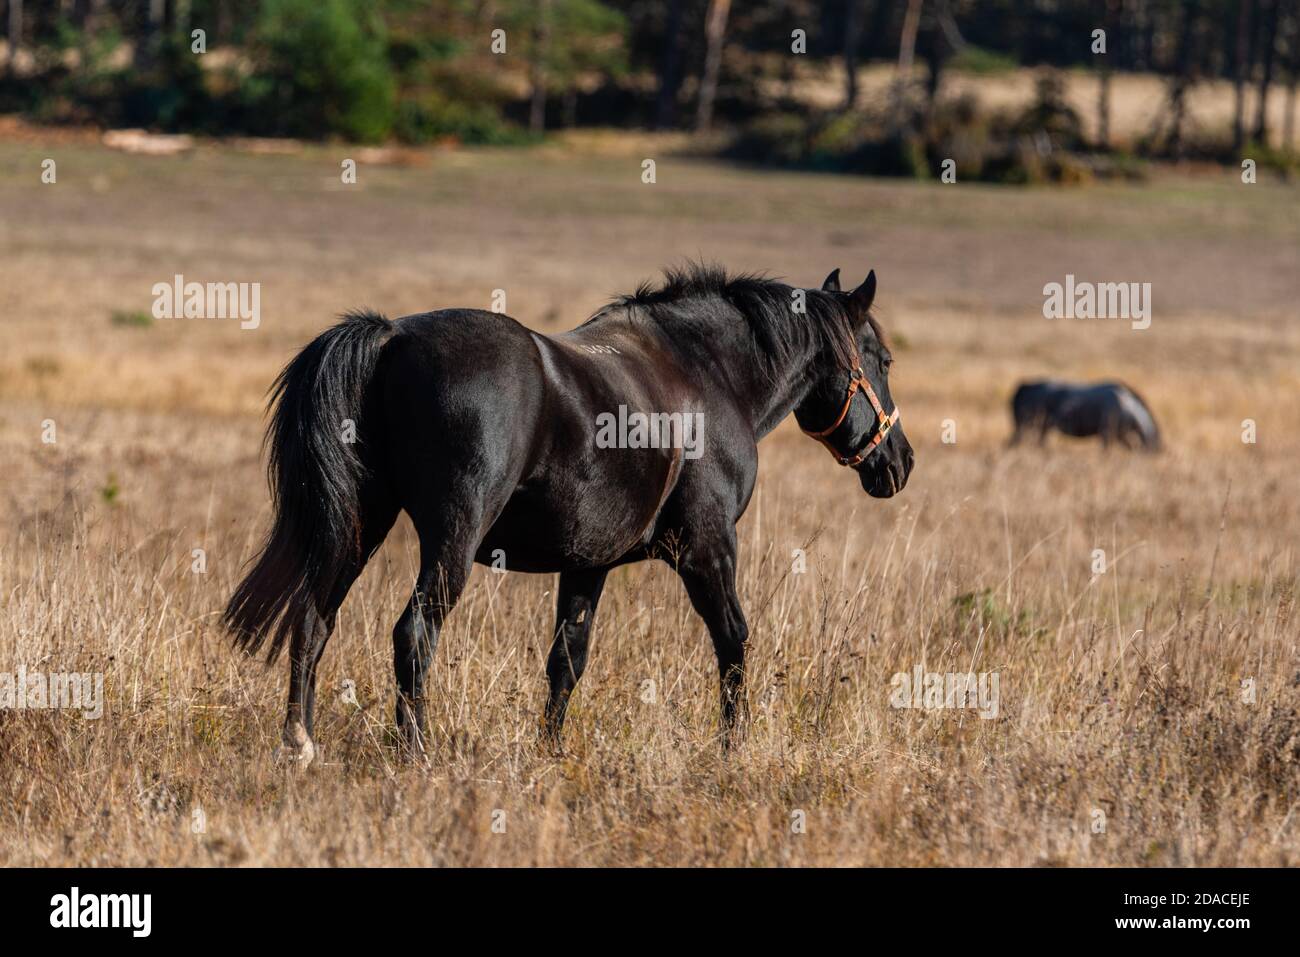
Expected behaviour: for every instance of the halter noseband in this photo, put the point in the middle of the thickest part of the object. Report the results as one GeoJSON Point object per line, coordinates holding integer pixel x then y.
{"type": "Point", "coordinates": [884, 420]}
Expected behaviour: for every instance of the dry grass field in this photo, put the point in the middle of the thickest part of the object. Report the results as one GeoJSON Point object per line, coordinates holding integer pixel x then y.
{"type": "Point", "coordinates": [1149, 715]}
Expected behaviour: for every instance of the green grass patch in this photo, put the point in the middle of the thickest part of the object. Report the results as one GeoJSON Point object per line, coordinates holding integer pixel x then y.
{"type": "Point", "coordinates": [131, 319]}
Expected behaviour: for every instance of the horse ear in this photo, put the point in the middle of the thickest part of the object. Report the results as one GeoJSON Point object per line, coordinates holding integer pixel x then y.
{"type": "Point", "coordinates": [862, 297]}
{"type": "Point", "coordinates": [832, 283]}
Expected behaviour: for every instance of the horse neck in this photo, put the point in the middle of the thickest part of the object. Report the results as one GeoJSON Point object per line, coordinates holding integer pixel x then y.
{"type": "Point", "coordinates": [767, 396]}
{"type": "Point", "coordinates": [782, 393]}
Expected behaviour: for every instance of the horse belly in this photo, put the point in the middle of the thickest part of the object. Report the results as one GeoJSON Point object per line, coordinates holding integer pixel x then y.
{"type": "Point", "coordinates": [546, 530]}
{"type": "Point", "coordinates": [1080, 419]}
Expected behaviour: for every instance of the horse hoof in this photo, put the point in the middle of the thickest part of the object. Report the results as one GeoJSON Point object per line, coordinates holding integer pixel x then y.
{"type": "Point", "coordinates": [413, 752]}
{"type": "Point", "coordinates": [297, 750]}
{"type": "Point", "coordinates": [550, 744]}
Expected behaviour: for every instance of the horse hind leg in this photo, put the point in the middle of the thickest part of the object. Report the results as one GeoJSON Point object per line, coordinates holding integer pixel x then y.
{"type": "Point", "coordinates": [446, 558]}
{"type": "Point", "coordinates": [307, 645]}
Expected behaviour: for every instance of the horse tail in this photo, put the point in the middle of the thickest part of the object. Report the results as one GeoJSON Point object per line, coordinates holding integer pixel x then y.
{"type": "Point", "coordinates": [315, 469]}
{"type": "Point", "coordinates": [1147, 421]}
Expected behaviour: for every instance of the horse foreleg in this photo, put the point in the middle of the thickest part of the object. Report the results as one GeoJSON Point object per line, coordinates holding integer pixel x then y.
{"type": "Point", "coordinates": [710, 580]}
{"type": "Point", "coordinates": [1044, 426]}
{"type": "Point", "coordinates": [575, 612]}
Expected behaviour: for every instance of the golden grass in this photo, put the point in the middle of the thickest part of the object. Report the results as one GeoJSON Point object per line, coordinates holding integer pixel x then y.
{"type": "Point", "coordinates": [1120, 693]}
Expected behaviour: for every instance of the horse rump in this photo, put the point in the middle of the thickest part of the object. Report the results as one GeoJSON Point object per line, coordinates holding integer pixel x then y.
{"type": "Point", "coordinates": [1142, 420]}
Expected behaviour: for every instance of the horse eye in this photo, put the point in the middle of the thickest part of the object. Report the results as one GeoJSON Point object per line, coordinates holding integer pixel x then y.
{"type": "Point", "coordinates": [886, 362]}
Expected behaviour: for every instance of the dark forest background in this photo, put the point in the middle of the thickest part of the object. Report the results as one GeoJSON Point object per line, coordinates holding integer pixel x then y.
{"type": "Point", "coordinates": [417, 72]}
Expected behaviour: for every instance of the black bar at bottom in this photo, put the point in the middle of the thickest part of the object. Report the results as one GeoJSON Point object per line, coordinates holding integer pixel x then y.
{"type": "Point", "coordinates": [337, 907]}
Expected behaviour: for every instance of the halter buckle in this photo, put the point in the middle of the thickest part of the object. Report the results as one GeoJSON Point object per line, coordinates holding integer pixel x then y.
{"type": "Point", "coordinates": [885, 420]}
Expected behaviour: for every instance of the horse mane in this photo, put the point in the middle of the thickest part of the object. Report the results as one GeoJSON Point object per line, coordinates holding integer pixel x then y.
{"type": "Point", "coordinates": [766, 303]}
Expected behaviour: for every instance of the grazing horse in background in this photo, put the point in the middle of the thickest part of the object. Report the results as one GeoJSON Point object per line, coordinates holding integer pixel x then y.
{"type": "Point", "coordinates": [1109, 409]}
{"type": "Point", "coordinates": [486, 434]}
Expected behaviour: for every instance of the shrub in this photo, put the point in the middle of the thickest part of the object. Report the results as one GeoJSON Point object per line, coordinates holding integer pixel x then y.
{"type": "Point", "coordinates": [838, 141]}
{"type": "Point", "coordinates": [975, 59]}
{"type": "Point", "coordinates": [777, 138]}
{"type": "Point", "coordinates": [958, 131]}
{"type": "Point", "coordinates": [320, 67]}
{"type": "Point", "coordinates": [432, 116]}
{"type": "Point", "coordinates": [1051, 115]}
{"type": "Point", "coordinates": [1270, 157]}
{"type": "Point", "coordinates": [171, 93]}
{"type": "Point", "coordinates": [844, 142]}
{"type": "Point", "coordinates": [1043, 143]}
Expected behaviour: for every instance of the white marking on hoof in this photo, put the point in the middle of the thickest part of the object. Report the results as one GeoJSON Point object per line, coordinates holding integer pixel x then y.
{"type": "Point", "coordinates": [297, 749]}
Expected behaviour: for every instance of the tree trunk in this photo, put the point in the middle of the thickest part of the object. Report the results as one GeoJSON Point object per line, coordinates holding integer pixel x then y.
{"type": "Point", "coordinates": [537, 69]}
{"type": "Point", "coordinates": [715, 32]}
{"type": "Point", "coordinates": [1110, 23]}
{"type": "Point", "coordinates": [1146, 37]}
{"type": "Point", "coordinates": [906, 54]}
{"type": "Point", "coordinates": [1269, 41]}
{"type": "Point", "coordinates": [1181, 82]}
{"type": "Point", "coordinates": [1288, 124]}
{"type": "Point", "coordinates": [1293, 74]}
{"type": "Point", "coordinates": [15, 31]}
{"type": "Point", "coordinates": [946, 40]}
{"type": "Point", "coordinates": [148, 34]}
{"type": "Point", "coordinates": [1241, 66]}
{"type": "Point", "coordinates": [537, 100]}
{"type": "Point", "coordinates": [852, 21]}
{"type": "Point", "coordinates": [1103, 109]}
{"type": "Point", "coordinates": [669, 68]}
{"type": "Point", "coordinates": [907, 41]}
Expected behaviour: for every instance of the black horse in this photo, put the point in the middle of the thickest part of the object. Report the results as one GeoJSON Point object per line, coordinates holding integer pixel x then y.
{"type": "Point", "coordinates": [1110, 410]}
{"type": "Point", "coordinates": [488, 435]}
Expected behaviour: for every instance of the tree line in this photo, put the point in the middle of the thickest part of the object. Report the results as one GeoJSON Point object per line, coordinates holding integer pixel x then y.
{"type": "Point", "coordinates": [422, 69]}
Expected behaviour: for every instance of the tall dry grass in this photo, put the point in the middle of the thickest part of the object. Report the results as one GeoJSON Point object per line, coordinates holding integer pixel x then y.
{"type": "Point", "coordinates": [1124, 696]}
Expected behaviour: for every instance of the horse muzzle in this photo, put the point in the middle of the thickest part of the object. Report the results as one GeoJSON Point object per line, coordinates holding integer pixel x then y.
{"type": "Point", "coordinates": [884, 474]}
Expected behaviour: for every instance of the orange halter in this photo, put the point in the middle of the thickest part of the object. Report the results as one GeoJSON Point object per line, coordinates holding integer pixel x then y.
{"type": "Point", "coordinates": [884, 420]}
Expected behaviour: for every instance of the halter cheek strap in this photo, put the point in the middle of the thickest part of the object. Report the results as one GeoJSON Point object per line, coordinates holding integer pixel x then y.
{"type": "Point", "coordinates": [884, 420]}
